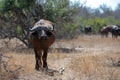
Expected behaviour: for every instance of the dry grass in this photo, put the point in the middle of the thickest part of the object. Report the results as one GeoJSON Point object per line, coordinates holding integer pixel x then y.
{"type": "Point", "coordinates": [95, 68]}
{"type": "Point", "coordinates": [98, 60]}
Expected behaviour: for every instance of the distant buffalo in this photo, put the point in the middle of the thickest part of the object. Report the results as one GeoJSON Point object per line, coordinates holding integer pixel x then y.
{"type": "Point", "coordinates": [88, 30]}
{"type": "Point", "coordinates": [113, 29]}
{"type": "Point", "coordinates": [104, 31]}
{"type": "Point", "coordinates": [115, 32]}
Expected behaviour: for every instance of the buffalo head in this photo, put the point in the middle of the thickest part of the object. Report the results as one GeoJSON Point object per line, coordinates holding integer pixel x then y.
{"type": "Point", "coordinates": [42, 32]}
{"type": "Point", "coordinates": [42, 29]}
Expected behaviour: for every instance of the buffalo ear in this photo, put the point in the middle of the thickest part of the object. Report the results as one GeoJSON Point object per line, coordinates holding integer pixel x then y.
{"type": "Point", "coordinates": [49, 33]}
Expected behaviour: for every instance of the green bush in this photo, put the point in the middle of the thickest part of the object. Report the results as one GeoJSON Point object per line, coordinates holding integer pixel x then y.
{"type": "Point", "coordinates": [68, 30]}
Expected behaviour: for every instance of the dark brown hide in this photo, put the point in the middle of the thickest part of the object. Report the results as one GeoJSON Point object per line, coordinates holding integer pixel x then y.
{"type": "Point", "coordinates": [41, 47]}
{"type": "Point", "coordinates": [113, 29]}
{"type": "Point", "coordinates": [104, 31]}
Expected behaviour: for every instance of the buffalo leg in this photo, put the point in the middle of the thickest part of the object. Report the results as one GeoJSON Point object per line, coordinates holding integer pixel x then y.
{"type": "Point", "coordinates": [44, 57]}
{"type": "Point", "coordinates": [38, 60]}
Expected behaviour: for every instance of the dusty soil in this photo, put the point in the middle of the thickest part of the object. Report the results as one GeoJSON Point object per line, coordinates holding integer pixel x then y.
{"type": "Point", "coordinates": [86, 58]}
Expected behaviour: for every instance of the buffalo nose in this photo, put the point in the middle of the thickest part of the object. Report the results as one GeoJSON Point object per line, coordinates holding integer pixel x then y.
{"type": "Point", "coordinates": [44, 37]}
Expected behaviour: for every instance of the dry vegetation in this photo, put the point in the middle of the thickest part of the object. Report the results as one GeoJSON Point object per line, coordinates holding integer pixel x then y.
{"type": "Point", "coordinates": [92, 58]}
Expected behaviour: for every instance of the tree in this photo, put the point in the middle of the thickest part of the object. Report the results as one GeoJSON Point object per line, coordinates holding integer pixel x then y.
{"type": "Point", "coordinates": [117, 12]}
{"type": "Point", "coordinates": [19, 15]}
{"type": "Point", "coordinates": [106, 11]}
{"type": "Point", "coordinates": [62, 12]}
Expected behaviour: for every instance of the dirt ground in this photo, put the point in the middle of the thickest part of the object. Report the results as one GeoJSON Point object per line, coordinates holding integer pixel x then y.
{"type": "Point", "coordinates": [83, 58]}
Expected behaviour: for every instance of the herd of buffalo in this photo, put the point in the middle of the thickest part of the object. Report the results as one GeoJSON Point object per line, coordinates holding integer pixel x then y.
{"type": "Point", "coordinates": [113, 29]}
{"type": "Point", "coordinates": [105, 30]}
{"type": "Point", "coordinates": [43, 35]}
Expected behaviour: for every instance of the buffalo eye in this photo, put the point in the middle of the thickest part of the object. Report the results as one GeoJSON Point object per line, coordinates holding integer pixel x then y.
{"type": "Point", "coordinates": [49, 33]}
{"type": "Point", "coordinates": [35, 33]}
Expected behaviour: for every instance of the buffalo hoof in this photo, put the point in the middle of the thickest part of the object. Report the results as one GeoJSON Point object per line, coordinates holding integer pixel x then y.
{"type": "Point", "coordinates": [49, 72]}
{"type": "Point", "coordinates": [39, 69]}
